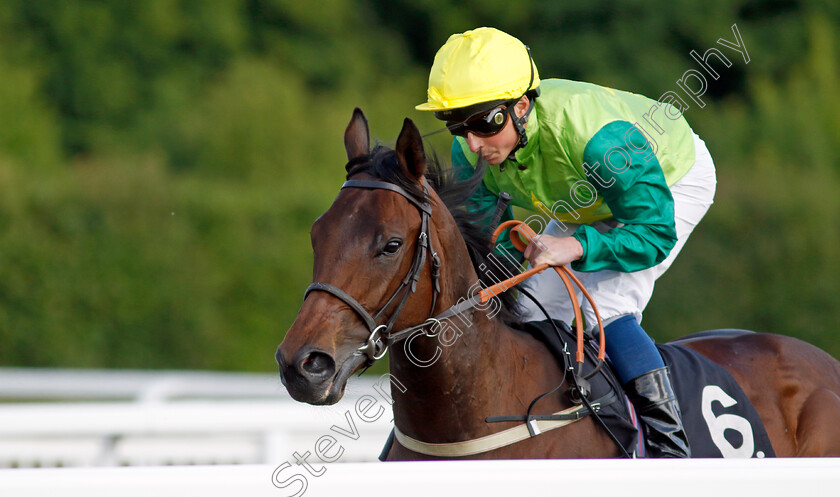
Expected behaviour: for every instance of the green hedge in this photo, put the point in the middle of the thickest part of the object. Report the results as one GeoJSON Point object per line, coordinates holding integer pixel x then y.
{"type": "Point", "coordinates": [161, 161]}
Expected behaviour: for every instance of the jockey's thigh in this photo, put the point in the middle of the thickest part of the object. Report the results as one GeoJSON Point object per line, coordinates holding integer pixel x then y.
{"type": "Point", "coordinates": [617, 293]}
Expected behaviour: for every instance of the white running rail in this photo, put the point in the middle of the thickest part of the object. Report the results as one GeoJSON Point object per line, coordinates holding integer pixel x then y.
{"type": "Point", "coordinates": [81, 384]}
{"type": "Point", "coordinates": [216, 418]}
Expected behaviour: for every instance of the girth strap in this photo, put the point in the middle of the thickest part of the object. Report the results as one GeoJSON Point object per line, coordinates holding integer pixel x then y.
{"type": "Point", "coordinates": [489, 442]}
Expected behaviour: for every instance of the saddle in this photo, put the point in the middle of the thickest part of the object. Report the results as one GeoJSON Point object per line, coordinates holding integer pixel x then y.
{"type": "Point", "coordinates": [718, 418]}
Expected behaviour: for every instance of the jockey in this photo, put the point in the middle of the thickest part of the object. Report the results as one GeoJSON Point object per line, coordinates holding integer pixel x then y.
{"type": "Point", "coordinates": [619, 180]}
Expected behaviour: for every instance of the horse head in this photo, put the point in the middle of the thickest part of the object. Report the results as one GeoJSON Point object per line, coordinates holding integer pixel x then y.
{"type": "Point", "coordinates": [376, 254]}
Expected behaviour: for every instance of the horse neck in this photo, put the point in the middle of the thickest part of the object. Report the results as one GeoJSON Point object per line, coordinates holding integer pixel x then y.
{"type": "Point", "coordinates": [474, 367]}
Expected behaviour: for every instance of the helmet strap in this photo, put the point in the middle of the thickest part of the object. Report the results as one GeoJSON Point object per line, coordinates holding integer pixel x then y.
{"type": "Point", "coordinates": [519, 122]}
{"type": "Point", "coordinates": [519, 125]}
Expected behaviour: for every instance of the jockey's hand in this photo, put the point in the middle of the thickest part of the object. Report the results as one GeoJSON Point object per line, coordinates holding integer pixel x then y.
{"type": "Point", "coordinates": [554, 251]}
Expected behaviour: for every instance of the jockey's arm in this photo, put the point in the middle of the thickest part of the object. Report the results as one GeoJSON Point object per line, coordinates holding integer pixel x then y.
{"type": "Point", "coordinates": [639, 199]}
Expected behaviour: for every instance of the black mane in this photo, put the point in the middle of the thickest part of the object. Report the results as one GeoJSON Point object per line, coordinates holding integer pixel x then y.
{"type": "Point", "coordinates": [454, 187]}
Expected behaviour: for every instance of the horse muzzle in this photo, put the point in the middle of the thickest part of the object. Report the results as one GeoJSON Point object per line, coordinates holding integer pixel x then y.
{"type": "Point", "coordinates": [309, 374]}
{"type": "Point", "coordinates": [314, 377]}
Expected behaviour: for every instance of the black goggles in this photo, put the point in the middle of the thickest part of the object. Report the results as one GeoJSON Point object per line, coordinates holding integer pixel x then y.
{"type": "Point", "coordinates": [484, 124]}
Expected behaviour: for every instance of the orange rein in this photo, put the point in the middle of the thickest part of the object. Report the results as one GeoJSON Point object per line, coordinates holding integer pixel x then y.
{"type": "Point", "coordinates": [525, 231]}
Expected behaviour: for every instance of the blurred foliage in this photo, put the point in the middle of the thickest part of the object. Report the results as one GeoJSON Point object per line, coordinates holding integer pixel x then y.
{"type": "Point", "coordinates": [161, 161]}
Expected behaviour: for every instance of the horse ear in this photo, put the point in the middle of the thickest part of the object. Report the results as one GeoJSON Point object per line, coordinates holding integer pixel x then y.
{"type": "Point", "coordinates": [410, 150]}
{"type": "Point", "coordinates": [357, 135]}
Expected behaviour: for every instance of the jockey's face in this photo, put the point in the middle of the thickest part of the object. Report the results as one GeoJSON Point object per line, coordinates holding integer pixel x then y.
{"type": "Point", "coordinates": [496, 148]}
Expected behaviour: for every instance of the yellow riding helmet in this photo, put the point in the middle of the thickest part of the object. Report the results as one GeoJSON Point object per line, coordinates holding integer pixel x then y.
{"type": "Point", "coordinates": [480, 65]}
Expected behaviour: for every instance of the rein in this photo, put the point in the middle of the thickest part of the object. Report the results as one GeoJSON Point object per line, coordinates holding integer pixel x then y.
{"type": "Point", "coordinates": [485, 294]}
{"type": "Point", "coordinates": [522, 229]}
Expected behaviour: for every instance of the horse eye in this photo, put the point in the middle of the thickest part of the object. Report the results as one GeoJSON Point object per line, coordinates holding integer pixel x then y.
{"type": "Point", "coordinates": [392, 247]}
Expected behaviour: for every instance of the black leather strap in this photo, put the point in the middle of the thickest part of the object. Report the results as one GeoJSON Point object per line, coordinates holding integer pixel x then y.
{"type": "Point", "coordinates": [346, 298]}
{"type": "Point", "coordinates": [384, 185]}
{"type": "Point", "coordinates": [597, 404]}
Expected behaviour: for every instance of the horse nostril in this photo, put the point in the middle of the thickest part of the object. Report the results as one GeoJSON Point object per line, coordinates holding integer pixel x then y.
{"type": "Point", "coordinates": [318, 365]}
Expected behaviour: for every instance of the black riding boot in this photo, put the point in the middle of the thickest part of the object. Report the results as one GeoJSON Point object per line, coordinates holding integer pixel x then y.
{"type": "Point", "coordinates": [654, 398]}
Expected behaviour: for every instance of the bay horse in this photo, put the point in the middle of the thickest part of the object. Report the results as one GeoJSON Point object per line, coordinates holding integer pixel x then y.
{"type": "Point", "coordinates": [389, 242]}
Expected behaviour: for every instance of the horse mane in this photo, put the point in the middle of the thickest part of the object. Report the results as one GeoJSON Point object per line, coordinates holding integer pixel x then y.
{"type": "Point", "coordinates": [454, 186]}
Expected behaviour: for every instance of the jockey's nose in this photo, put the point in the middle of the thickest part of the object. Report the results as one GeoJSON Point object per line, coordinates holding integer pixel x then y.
{"type": "Point", "coordinates": [474, 142]}
{"type": "Point", "coordinates": [314, 365]}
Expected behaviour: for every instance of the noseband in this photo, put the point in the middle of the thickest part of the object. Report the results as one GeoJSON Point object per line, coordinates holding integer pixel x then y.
{"type": "Point", "coordinates": [376, 345]}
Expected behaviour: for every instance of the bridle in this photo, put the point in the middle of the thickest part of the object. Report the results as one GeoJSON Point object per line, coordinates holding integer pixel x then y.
{"type": "Point", "coordinates": [380, 334]}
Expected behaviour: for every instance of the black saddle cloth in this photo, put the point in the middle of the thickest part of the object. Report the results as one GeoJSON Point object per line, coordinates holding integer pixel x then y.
{"type": "Point", "coordinates": [719, 419]}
